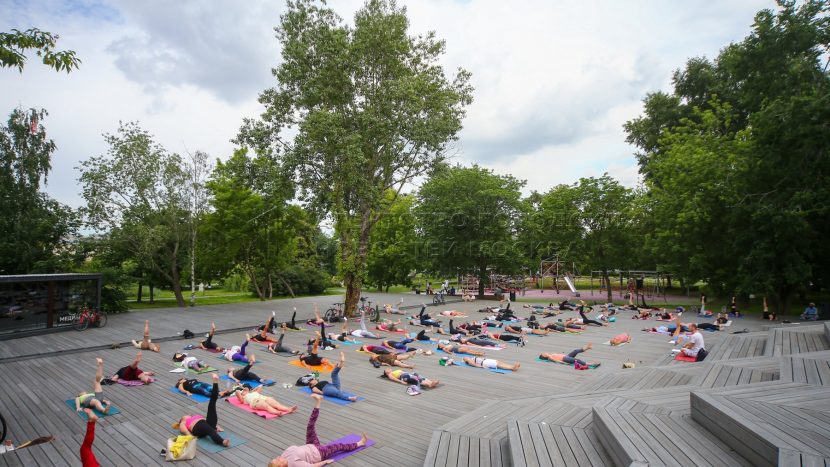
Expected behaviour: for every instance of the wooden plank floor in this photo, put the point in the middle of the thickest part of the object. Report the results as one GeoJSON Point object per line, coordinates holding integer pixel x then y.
{"type": "Point", "coordinates": [33, 390]}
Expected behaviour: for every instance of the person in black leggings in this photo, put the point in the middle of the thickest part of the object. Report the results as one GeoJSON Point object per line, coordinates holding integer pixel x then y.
{"type": "Point", "coordinates": [312, 358]}
{"type": "Point", "coordinates": [292, 324]}
{"type": "Point", "coordinates": [245, 373]}
{"type": "Point", "coordinates": [426, 320]}
{"type": "Point", "coordinates": [278, 347]}
{"type": "Point", "coordinates": [208, 343]}
{"type": "Point", "coordinates": [201, 427]}
{"type": "Point", "coordinates": [586, 320]}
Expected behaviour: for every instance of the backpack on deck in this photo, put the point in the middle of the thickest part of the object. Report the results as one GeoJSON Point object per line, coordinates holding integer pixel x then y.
{"type": "Point", "coordinates": [701, 355]}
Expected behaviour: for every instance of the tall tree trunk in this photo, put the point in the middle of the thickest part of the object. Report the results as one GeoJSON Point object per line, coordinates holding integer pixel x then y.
{"type": "Point", "coordinates": [286, 284]}
{"type": "Point", "coordinates": [140, 289]}
{"type": "Point", "coordinates": [356, 260]}
{"type": "Point", "coordinates": [271, 288]}
{"type": "Point", "coordinates": [607, 284]}
{"type": "Point", "coordinates": [255, 282]}
{"type": "Point", "coordinates": [177, 285]}
{"type": "Point", "coordinates": [152, 293]}
{"type": "Point", "coordinates": [353, 286]}
{"type": "Point", "coordinates": [482, 272]}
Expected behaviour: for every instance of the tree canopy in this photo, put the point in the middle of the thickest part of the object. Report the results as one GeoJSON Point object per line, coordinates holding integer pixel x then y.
{"type": "Point", "coordinates": [15, 43]}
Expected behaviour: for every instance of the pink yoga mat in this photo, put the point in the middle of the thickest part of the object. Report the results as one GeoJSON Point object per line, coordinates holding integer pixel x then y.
{"type": "Point", "coordinates": [685, 358]}
{"type": "Point", "coordinates": [262, 413]}
{"type": "Point", "coordinates": [130, 383]}
{"type": "Point", "coordinates": [349, 439]}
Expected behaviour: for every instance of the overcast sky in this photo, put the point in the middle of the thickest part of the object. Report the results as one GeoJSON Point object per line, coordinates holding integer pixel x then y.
{"type": "Point", "coordinates": [554, 81]}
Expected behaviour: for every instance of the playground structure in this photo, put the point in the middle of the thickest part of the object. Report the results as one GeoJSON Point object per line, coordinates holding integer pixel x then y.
{"type": "Point", "coordinates": [638, 284]}
{"type": "Point", "coordinates": [561, 276]}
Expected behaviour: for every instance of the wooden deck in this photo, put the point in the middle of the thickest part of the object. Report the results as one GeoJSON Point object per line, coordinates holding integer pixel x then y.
{"type": "Point", "coordinates": [466, 421]}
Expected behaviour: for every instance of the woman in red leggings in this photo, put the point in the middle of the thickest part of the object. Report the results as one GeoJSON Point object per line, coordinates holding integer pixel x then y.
{"type": "Point", "coordinates": [87, 456]}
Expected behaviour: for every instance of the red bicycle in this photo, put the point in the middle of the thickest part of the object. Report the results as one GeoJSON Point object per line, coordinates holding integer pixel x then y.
{"type": "Point", "coordinates": [86, 316]}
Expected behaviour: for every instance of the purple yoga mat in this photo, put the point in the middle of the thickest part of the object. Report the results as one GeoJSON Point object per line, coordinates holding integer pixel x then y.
{"type": "Point", "coordinates": [349, 439]}
{"type": "Point", "coordinates": [130, 382]}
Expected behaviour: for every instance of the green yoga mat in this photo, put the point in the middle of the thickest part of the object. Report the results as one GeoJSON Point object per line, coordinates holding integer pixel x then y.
{"type": "Point", "coordinates": [199, 372]}
{"type": "Point", "coordinates": [113, 410]}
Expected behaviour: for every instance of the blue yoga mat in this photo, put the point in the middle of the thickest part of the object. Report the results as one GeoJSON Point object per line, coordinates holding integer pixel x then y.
{"type": "Point", "coordinates": [196, 397]}
{"type": "Point", "coordinates": [349, 343]}
{"type": "Point", "coordinates": [253, 384]}
{"type": "Point", "coordinates": [334, 400]}
{"type": "Point", "coordinates": [494, 370]}
{"type": "Point", "coordinates": [113, 410]}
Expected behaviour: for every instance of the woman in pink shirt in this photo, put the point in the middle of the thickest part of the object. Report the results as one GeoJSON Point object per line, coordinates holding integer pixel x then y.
{"type": "Point", "coordinates": [313, 453]}
{"type": "Point", "coordinates": [200, 426]}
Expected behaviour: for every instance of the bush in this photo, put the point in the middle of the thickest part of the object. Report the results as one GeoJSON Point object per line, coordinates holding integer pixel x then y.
{"type": "Point", "coordinates": [304, 280]}
{"type": "Point", "coordinates": [237, 282]}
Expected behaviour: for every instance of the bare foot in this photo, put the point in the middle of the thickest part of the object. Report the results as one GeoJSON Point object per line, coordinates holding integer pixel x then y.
{"type": "Point", "coordinates": [252, 358]}
{"type": "Point", "coordinates": [226, 443]}
{"type": "Point", "coordinates": [589, 346]}
{"type": "Point", "coordinates": [342, 358]}
{"type": "Point", "coordinates": [363, 440]}
{"type": "Point", "coordinates": [516, 366]}
{"type": "Point", "coordinates": [99, 361]}
{"type": "Point", "coordinates": [91, 415]}
{"type": "Point", "coordinates": [353, 398]}
{"type": "Point", "coordinates": [317, 397]}
{"type": "Point", "coordinates": [215, 377]}
{"type": "Point", "coordinates": [138, 356]}
{"type": "Point", "coordinates": [247, 336]}
{"type": "Point", "coordinates": [292, 409]}
{"type": "Point", "coordinates": [212, 326]}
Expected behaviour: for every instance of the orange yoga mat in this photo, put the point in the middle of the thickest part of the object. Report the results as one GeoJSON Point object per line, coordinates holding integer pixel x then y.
{"type": "Point", "coordinates": [326, 367]}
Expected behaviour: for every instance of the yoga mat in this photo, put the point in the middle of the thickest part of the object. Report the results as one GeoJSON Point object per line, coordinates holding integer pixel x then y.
{"type": "Point", "coordinates": [262, 413]}
{"type": "Point", "coordinates": [350, 439]}
{"type": "Point", "coordinates": [113, 410]}
{"type": "Point", "coordinates": [235, 361]}
{"type": "Point", "coordinates": [333, 400]}
{"type": "Point", "coordinates": [209, 446]}
{"type": "Point", "coordinates": [177, 370]}
{"type": "Point", "coordinates": [324, 368]}
{"type": "Point", "coordinates": [252, 384]}
{"type": "Point", "coordinates": [680, 357]}
{"type": "Point", "coordinates": [131, 382]}
{"type": "Point", "coordinates": [268, 342]}
{"type": "Point", "coordinates": [494, 370]}
{"type": "Point", "coordinates": [198, 372]}
{"type": "Point", "coordinates": [499, 347]}
{"type": "Point", "coordinates": [350, 343]}
{"type": "Point", "coordinates": [462, 353]}
{"type": "Point", "coordinates": [209, 350]}
{"type": "Point", "coordinates": [196, 397]}
{"type": "Point", "coordinates": [399, 331]}
{"type": "Point", "coordinates": [608, 342]}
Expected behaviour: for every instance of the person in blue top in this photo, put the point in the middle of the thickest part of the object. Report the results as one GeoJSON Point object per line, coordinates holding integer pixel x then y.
{"type": "Point", "coordinates": [810, 313]}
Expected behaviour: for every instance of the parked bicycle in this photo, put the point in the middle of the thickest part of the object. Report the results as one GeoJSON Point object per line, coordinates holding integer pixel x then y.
{"type": "Point", "coordinates": [367, 310]}
{"type": "Point", "coordinates": [438, 298]}
{"type": "Point", "coordinates": [334, 314]}
{"type": "Point", "coordinates": [87, 316]}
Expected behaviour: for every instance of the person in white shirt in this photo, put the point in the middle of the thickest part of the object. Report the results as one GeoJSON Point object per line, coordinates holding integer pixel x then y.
{"type": "Point", "coordinates": [694, 342]}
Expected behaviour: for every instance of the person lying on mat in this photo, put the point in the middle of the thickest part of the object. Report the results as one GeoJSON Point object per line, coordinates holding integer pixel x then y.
{"type": "Point", "coordinates": [455, 348]}
{"type": "Point", "coordinates": [208, 343]}
{"type": "Point", "coordinates": [391, 360]}
{"type": "Point", "coordinates": [767, 314]}
{"type": "Point", "coordinates": [278, 347]}
{"type": "Point", "coordinates": [422, 334]}
{"type": "Point", "coordinates": [292, 324]}
{"type": "Point", "coordinates": [586, 320]}
{"type": "Point", "coordinates": [620, 339]}
{"type": "Point", "coordinates": [393, 311]}
{"type": "Point", "coordinates": [363, 332]}
{"type": "Point", "coordinates": [389, 326]}
{"type": "Point", "coordinates": [201, 427]}
{"type": "Point", "coordinates": [237, 353]}
{"type": "Point", "coordinates": [641, 314]}
{"type": "Point", "coordinates": [518, 340]}
{"type": "Point", "coordinates": [402, 377]}
{"type": "Point", "coordinates": [317, 319]}
{"type": "Point", "coordinates": [87, 456]}
{"type": "Point", "coordinates": [566, 305]}
{"type": "Point", "coordinates": [570, 358]}
{"type": "Point", "coordinates": [375, 349]}
{"type": "Point", "coordinates": [132, 372]}
{"type": "Point", "coordinates": [245, 373]}
{"type": "Point", "coordinates": [325, 342]}
{"type": "Point", "coordinates": [399, 345]}
{"type": "Point", "coordinates": [479, 341]}
{"type": "Point", "coordinates": [424, 319]}
{"type": "Point", "coordinates": [344, 335]}
{"type": "Point", "coordinates": [95, 399]}
{"type": "Point", "coordinates": [269, 325]}
{"type": "Point", "coordinates": [332, 389]}
{"type": "Point", "coordinates": [459, 314]}
{"type": "Point", "coordinates": [187, 361]}
{"type": "Point", "coordinates": [525, 330]}
{"type": "Point", "coordinates": [254, 399]}
{"type": "Point", "coordinates": [146, 343]}
{"type": "Point", "coordinates": [556, 327]}
{"type": "Point", "coordinates": [194, 386]}
{"type": "Point", "coordinates": [665, 315]}
{"type": "Point", "coordinates": [463, 330]}
{"type": "Point", "coordinates": [314, 453]}
{"type": "Point", "coordinates": [311, 358]}
{"type": "Point", "coordinates": [490, 363]}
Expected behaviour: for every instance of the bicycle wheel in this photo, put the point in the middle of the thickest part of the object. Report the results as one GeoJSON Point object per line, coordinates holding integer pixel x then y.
{"type": "Point", "coordinates": [435, 300]}
{"type": "Point", "coordinates": [81, 322]}
{"type": "Point", "coordinates": [102, 319]}
{"type": "Point", "coordinates": [374, 313]}
{"type": "Point", "coordinates": [331, 316]}
{"type": "Point", "coordinates": [3, 433]}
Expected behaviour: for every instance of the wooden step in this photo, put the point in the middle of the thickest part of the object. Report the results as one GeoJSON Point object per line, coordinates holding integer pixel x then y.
{"type": "Point", "coordinates": [796, 339]}
{"type": "Point", "coordinates": [454, 449]}
{"type": "Point", "coordinates": [641, 438]}
{"type": "Point", "coordinates": [555, 445]}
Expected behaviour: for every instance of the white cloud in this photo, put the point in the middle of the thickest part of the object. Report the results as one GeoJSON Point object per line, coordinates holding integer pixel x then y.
{"type": "Point", "coordinates": [554, 81]}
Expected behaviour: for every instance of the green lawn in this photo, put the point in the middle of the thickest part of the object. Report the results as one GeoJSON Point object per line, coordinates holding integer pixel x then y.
{"type": "Point", "coordinates": [217, 297]}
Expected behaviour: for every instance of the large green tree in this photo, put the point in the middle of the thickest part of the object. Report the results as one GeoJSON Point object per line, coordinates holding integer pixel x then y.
{"type": "Point", "coordinates": [469, 219]}
{"type": "Point", "coordinates": [35, 227]}
{"type": "Point", "coordinates": [15, 43]}
{"type": "Point", "coordinates": [736, 158]}
{"type": "Point", "coordinates": [393, 245]}
{"type": "Point", "coordinates": [357, 111]}
{"type": "Point", "coordinates": [138, 192]}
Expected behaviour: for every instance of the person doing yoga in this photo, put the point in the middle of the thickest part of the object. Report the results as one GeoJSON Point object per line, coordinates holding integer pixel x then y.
{"type": "Point", "coordinates": [389, 326]}
{"type": "Point", "coordinates": [586, 320]}
{"type": "Point", "coordinates": [490, 363]}
{"type": "Point", "coordinates": [311, 358]}
{"type": "Point", "coordinates": [425, 319]}
{"type": "Point", "coordinates": [402, 377]}
{"type": "Point", "coordinates": [132, 372]}
{"type": "Point", "coordinates": [479, 341]}
{"type": "Point", "coordinates": [313, 453]}
{"type": "Point", "coordinates": [87, 456]}
{"type": "Point", "coordinates": [201, 427]}
{"type": "Point", "coordinates": [399, 345]}
{"type": "Point", "coordinates": [146, 343]}
{"type": "Point", "coordinates": [293, 323]}
{"type": "Point", "coordinates": [455, 348]}
{"type": "Point", "coordinates": [95, 399]}
{"type": "Point", "coordinates": [556, 327]}
{"type": "Point", "coordinates": [344, 335]}
{"type": "Point", "coordinates": [269, 325]}
{"type": "Point", "coordinates": [189, 387]}
{"type": "Point", "coordinates": [257, 401]}
{"type": "Point", "coordinates": [189, 362]}
{"type": "Point", "coordinates": [525, 330]}
{"type": "Point", "coordinates": [570, 358]}
{"type": "Point", "coordinates": [453, 313]}
{"type": "Point", "coordinates": [237, 353]}
{"type": "Point", "coordinates": [363, 332]}
{"type": "Point", "coordinates": [394, 311]}
{"type": "Point", "coordinates": [278, 347]}
{"type": "Point", "coordinates": [391, 359]}
{"type": "Point", "coordinates": [245, 373]}
{"type": "Point", "coordinates": [208, 343]}
{"type": "Point", "coordinates": [332, 389]}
